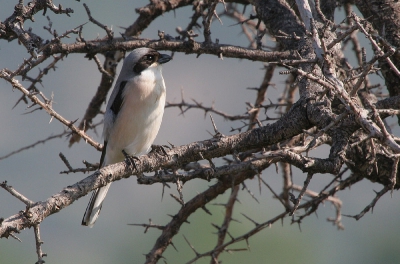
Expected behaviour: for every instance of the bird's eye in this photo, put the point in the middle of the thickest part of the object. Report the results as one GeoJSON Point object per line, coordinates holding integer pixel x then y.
{"type": "Point", "coordinates": [149, 57]}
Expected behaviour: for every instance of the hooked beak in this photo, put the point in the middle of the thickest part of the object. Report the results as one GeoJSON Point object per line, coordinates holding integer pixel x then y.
{"type": "Point", "coordinates": [164, 58]}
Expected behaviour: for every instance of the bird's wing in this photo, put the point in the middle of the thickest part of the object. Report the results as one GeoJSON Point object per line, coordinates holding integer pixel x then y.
{"type": "Point", "coordinates": [113, 107]}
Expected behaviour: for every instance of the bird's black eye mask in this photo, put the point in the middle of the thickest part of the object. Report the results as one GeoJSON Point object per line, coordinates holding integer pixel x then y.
{"type": "Point", "coordinates": [146, 61]}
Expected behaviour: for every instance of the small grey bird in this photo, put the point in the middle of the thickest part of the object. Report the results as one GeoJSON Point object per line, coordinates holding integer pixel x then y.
{"type": "Point", "coordinates": [133, 115]}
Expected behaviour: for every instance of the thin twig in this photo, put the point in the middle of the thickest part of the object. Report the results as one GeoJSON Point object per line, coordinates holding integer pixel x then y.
{"type": "Point", "coordinates": [16, 194]}
{"type": "Point", "coordinates": [301, 194]}
{"type": "Point", "coordinates": [15, 83]}
{"type": "Point", "coordinates": [372, 204]}
{"type": "Point", "coordinates": [42, 141]}
{"type": "Point", "coordinates": [39, 243]}
{"type": "Point", "coordinates": [109, 32]}
{"type": "Point", "coordinates": [149, 225]}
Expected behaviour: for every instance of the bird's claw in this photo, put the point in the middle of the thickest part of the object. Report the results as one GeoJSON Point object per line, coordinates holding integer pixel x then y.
{"type": "Point", "coordinates": [159, 149]}
{"type": "Point", "coordinates": [131, 159]}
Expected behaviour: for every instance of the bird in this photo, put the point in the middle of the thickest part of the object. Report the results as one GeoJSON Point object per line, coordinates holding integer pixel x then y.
{"type": "Point", "coordinates": [133, 116]}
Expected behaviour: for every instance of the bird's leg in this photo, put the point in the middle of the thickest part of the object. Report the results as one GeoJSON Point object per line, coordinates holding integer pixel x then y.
{"type": "Point", "coordinates": [131, 159]}
{"type": "Point", "coordinates": [159, 149]}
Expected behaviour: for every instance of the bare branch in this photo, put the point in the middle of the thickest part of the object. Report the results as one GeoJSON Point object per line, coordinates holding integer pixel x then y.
{"type": "Point", "coordinates": [39, 243]}
{"type": "Point", "coordinates": [301, 194]}
{"type": "Point", "coordinates": [149, 225]}
{"type": "Point", "coordinates": [16, 194]}
{"type": "Point", "coordinates": [6, 76]}
{"type": "Point", "coordinates": [110, 34]}
{"type": "Point", "coordinates": [372, 204]}
{"type": "Point", "coordinates": [184, 107]}
{"type": "Point", "coordinates": [230, 51]}
{"type": "Point", "coordinates": [208, 19]}
{"type": "Point", "coordinates": [34, 144]}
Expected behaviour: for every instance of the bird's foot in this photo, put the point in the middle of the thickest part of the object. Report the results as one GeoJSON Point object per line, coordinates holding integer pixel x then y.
{"type": "Point", "coordinates": [131, 159]}
{"type": "Point", "coordinates": [159, 149]}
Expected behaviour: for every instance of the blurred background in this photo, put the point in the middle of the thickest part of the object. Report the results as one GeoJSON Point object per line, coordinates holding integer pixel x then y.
{"type": "Point", "coordinates": [224, 83]}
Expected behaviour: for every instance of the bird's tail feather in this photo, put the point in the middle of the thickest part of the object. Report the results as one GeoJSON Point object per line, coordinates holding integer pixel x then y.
{"type": "Point", "coordinates": [93, 209]}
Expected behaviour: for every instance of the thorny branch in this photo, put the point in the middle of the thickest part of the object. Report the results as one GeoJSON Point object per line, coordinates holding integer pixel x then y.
{"type": "Point", "coordinates": [42, 141]}
{"type": "Point", "coordinates": [39, 243]}
{"type": "Point", "coordinates": [184, 107]}
{"type": "Point", "coordinates": [336, 107]}
{"type": "Point", "coordinates": [16, 194]}
{"type": "Point", "coordinates": [13, 27]}
{"type": "Point", "coordinates": [45, 105]}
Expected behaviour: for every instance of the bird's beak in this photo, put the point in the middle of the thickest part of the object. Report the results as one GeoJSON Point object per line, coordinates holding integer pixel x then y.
{"type": "Point", "coordinates": [164, 58]}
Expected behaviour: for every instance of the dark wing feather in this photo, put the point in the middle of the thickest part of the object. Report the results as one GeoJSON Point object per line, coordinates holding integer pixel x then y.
{"type": "Point", "coordinates": [115, 108]}
{"type": "Point", "coordinates": [103, 154]}
{"type": "Point", "coordinates": [116, 105]}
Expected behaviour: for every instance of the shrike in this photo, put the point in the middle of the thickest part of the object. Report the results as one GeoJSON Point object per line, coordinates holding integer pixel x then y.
{"type": "Point", "coordinates": [133, 115]}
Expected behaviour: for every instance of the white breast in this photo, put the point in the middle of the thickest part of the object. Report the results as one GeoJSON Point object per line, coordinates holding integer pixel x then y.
{"type": "Point", "coordinates": [139, 118]}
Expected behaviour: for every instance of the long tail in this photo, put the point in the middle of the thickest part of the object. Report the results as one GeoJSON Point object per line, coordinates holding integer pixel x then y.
{"type": "Point", "coordinates": [93, 209]}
